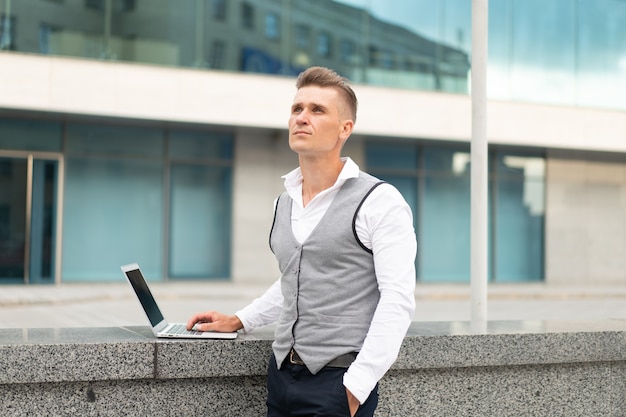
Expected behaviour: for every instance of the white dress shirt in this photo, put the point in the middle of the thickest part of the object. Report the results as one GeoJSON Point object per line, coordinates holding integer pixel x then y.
{"type": "Point", "coordinates": [384, 225]}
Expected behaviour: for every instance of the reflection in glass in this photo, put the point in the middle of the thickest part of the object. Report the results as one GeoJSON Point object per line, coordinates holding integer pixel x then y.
{"type": "Point", "coordinates": [411, 44]}
{"type": "Point", "coordinates": [557, 51]}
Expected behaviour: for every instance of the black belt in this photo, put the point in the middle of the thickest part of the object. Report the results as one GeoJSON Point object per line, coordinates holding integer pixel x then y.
{"type": "Point", "coordinates": [343, 361]}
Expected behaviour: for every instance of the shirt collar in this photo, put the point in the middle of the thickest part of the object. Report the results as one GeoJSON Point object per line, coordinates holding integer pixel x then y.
{"type": "Point", "coordinates": [350, 169]}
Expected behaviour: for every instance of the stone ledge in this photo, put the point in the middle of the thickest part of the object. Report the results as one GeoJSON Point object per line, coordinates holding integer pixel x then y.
{"type": "Point", "coordinates": [130, 353]}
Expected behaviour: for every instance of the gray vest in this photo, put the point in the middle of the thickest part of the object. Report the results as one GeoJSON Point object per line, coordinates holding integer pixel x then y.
{"type": "Point", "coordinates": [328, 282]}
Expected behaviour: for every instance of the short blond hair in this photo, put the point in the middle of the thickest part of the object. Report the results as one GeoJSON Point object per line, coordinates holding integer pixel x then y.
{"type": "Point", "coordinates": [325, 77]}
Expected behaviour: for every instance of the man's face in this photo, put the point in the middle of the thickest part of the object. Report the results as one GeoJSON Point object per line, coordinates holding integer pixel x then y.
{"type": "Point", "coordinates": [319, 123]}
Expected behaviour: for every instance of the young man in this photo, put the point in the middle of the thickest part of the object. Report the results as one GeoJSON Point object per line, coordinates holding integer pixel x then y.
{"type": "Point", "coordinates": [346, 246]}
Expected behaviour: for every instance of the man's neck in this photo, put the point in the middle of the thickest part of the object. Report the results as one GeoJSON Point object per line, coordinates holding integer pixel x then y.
{"type": "Point", "coordinates": [317, 176]}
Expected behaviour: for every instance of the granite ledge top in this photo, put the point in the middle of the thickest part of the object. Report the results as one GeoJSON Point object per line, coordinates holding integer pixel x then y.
{"type": "Point", "coordinates": [88, 354]}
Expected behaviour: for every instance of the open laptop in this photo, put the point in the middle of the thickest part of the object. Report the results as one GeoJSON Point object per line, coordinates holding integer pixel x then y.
{"type": "Point", "coordinates": [160, 327]}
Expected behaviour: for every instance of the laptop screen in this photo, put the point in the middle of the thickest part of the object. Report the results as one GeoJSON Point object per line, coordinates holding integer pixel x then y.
{"type": "Point", "coordinates": [145, 296]}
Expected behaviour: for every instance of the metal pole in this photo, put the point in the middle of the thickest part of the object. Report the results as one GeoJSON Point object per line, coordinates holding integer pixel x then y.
{"type": "Point", "coordinates": [479, 172]}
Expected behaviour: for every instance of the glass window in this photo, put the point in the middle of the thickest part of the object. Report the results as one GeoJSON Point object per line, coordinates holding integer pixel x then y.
{"type": "Point", "coordinates": [191, 144]}
{"type": "Point", "coordinates": [396, 156]}
{"type": "Point", "coordinates": [43, 221]}
{"type": "Point", "coordinates": [602, 53]}
{"type": "Point", "coordinates": [91, 139]}
{"type": "Point", "coordinates": [46, 33]}
{"type": "Point", "coordinates": [200, 203]}
{"type": "Point", "coordinates": [94, 4]}
{"type": "Point", "coordinates": [519, 217]}
{"type": "Point", "coordinates": [302, 34]}
{"type": "Point", "coordinates": [247, 16]}
{"type": "Point", "coordinates": [217, 54]}
{"type": "Point", "coordinates": [435, 181]}
{"type": "Point", "coordinates": [560, 51]}
{"type": "Point", "coordinates": [272, 26]}
{"type": "Point", "coordinates": [445, 216]}
{"type": "Point", "coordinates": [543, 51]}
{"type": "Point", "coordinates": [218, 9]}
{"type": "Point", "coordinates": [346, 50]}
{"type": "Point", "coordinates": [324, 47]}
{"type": "Point", "coordinates": [200, 221]}
{"type": "Point", "coordinates": [7, 33]}
{"type": "Point", "coordinates": [13, 180]}
{"type": "Point", "coordinates": [112, 216]}
{"type": "Point", "coordinates": [30, 135]}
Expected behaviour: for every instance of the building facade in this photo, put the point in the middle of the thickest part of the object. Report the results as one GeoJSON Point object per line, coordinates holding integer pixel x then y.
{"type": "Point", "coordinates": [154, 131]}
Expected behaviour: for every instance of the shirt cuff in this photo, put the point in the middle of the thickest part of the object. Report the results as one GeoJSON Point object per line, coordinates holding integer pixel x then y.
{"type": "Point", "coordinates": [360, 387]}
{"type": "Point", "coordinates": [247, 327]}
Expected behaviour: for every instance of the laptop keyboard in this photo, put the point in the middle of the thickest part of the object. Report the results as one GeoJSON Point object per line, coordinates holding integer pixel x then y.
{"type": "Point", "coordinates": [181, 329]}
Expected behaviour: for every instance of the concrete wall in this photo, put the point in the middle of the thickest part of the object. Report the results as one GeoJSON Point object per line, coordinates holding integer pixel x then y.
{"type": "Point", "coordinates": [585, 221]}
{"type": "Point", "coordinates": [261, 157]}
{"type": "Point", "coordinates": [512, 369]}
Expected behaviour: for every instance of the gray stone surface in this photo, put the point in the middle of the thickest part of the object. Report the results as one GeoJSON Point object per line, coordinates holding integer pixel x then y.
{"type": "Point", "coordinates": [538, 390]}
{"type": "Point", "coordinates": [74, 354]}
{"type": "Point", "coordinates": [441, 344]}
{"type": "Point", "coordinates": [549, 368]}
{"type": "Point", "coordinates": [227, 397]}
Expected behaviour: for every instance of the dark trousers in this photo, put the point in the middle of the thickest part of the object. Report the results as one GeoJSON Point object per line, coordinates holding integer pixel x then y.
{"type": "Point", "coordinates": [294, 391]}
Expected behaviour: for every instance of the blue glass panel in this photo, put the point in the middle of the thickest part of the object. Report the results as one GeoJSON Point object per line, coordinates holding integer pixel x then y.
{"type": "Point", "coordinates": [445, 217]}
{"type": "Point", "coordinates": [109, 140]}
{"type": "Point", "coordinates": [200, 221]}
{"type": "Point", "coordinates": [520, 208]}
{"type": "Point", "coordinates": [113, 216]}
{"type": "Point", "coordinates": [445, 225]}
{"type": "Point", "coordinates": [602, 53]}
{"type": "Point", "coordinates": [30, 135]}
{"type": "Point", "coordinates": [391, 155]}
{"type": "Point", "coordinates": [557, 51]}
{"type": "Point", "coordinates": [447, 161]}
{"type": "Point", "coordinates": [544, 51]}
{"type": "Point", "coordinates": [200, 144]}
{"type": "Point", "coordinates": [422, 44]}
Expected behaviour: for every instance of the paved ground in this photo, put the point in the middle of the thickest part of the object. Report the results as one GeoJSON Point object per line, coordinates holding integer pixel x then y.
{"type": "Point", "coordinates": [105, 305]}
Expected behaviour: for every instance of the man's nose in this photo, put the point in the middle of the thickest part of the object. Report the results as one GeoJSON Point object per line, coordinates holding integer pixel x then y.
{"type": "Point", "coordinates": [302, 118]}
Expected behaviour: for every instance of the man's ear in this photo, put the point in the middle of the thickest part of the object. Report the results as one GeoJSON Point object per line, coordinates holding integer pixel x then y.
{"type": "Point", "coordinates": [346, 130]}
